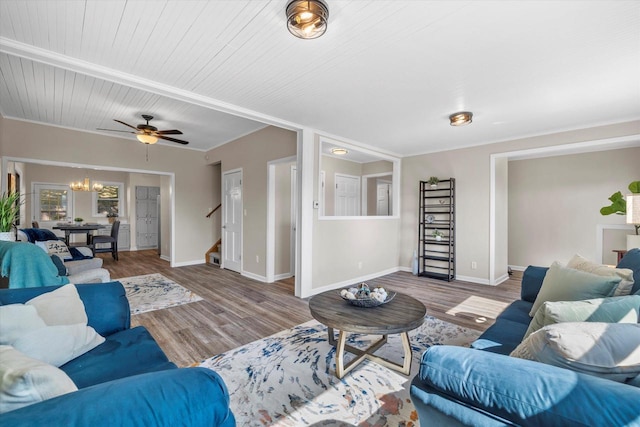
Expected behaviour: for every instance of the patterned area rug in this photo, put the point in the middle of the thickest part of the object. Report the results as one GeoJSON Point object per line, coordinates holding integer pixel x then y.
{"type": "Point", "coordinates": [288, 379]}
{"type": "Point", "coordinates": [155, 292]}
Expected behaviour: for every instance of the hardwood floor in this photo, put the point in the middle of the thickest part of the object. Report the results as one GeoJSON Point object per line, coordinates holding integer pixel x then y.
{"type": "Point", "coordinates": [236, 310]}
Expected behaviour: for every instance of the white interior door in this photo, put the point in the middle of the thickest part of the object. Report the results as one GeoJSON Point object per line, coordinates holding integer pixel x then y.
{"type": "Point", "coordinates": [347, 196]}
{"type": "Point", "coordinates": [232, 221]}
{"type": "Point", "coordinates": [294, 216]}
{"type": "Point", "coordinates": [384, 198]}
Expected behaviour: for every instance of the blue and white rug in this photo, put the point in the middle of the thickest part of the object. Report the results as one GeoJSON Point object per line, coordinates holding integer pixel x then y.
{"type": "Point", "coordinates": [288, 379]}
{"type": "Point", "coordinates": [155, 292]}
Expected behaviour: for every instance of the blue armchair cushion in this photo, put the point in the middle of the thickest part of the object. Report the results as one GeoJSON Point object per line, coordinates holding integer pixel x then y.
{"type": "Point", "coordinates": [525, 392]}
{"type": "Point", "coordinates": [39, 234]}
{"type": "Point", "coordinates": [177, 397]}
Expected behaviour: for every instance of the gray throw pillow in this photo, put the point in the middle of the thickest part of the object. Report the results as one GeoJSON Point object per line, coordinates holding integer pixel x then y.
{"type": "Point", "coordinates": [610, 310]}
{"type": "Point", "coordinates": [567, 284]}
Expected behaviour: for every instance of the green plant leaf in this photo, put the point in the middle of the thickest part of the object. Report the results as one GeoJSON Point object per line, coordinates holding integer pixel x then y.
{"type": "Point", "coordinates": [634, 187]}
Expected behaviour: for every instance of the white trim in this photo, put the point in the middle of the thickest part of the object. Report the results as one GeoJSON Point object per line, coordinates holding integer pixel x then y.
{"type": "Point", "coordinates": [477, 280]}
{"type": "Point", "coordinates": [353, 280]}
{"type": "Point", "coordinates": [162, 257]}
{"type": "Point", "coordinates": [254, 276]}
{"type": "Point", "coordinates": [293, 194]}
{"type": "Point", "coordinates": [304, 232]}
{"type": "Point", "coordinates": [283, 276]}
{"type": "Point", "coordinates": [492, 219]}
{"type": "Point", "coordinates": [271, 216]}
{"type": "Point", "coordinates": [517, 267]}
{"type": "Point", "coordinates": [187, 263]}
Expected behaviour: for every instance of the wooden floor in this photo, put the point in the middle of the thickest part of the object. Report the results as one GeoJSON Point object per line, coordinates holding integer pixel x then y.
{"type": "Point", "coordinates": [236, 310]}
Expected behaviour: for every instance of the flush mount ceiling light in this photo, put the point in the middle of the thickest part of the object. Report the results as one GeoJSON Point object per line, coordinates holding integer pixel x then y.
{"type": "Point", "coordinates": [147, 139]}
{"type": "Point", "coordinates": [307, 19]}
{"type": "Point", "coordinates": [460, 119]}
{"type": "Point", "coordinates": [339, 151]}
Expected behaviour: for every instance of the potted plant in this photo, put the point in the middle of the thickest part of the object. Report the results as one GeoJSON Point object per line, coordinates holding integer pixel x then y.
{"type": "Point", "coordinates": [433, 181]}
{"type": "Point", "coordinates": [619, 207]}
{"type": "Point", "coordinates": [9, 211]}
{"type": "Point", "coordinates": [112, 215]}
{"type": "Point", "coordinates": [437, 234]}
{"type": "Point", "coordinates": [78, 220]}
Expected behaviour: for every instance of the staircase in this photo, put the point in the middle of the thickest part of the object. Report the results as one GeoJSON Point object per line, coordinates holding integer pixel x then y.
{"type": "Point", "coordinates": [214, 254]}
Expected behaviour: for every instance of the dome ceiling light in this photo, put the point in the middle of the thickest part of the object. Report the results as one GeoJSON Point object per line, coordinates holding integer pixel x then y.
{"type": "Point", "coordinates": [460, 119]}
{"type": "Point", "coordinates": [307, 19]}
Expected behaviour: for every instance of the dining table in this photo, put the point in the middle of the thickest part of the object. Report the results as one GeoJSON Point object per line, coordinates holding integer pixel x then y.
{"type": "Point", "coordinates": [70, 229]}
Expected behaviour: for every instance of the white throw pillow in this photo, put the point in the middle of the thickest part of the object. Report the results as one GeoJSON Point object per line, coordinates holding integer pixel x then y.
{"type": "Point", "coordinates": [16, 320]}
{"type": "Point", "coordinates": [24, 381]}
{"type": "Point", "coordinates": [61, 334]}
{"type": "Point", "coordinates": [55, 247]}
{"type": "Point", "coordinates": [60, 307]}
{"type": "Point", "coordinates": [607, 350]}
{"type": "Point", "coordinates": [56, 345]}
{"type": "Point", "coordinates": [626, 275]}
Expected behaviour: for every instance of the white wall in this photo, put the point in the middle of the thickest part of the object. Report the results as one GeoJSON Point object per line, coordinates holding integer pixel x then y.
{"type": "Point", "coordinates": [554, 204]}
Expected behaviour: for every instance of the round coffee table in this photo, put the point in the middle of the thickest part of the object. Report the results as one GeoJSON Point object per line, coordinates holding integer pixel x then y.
{"type": "Point", "coordinates": [398, 316]}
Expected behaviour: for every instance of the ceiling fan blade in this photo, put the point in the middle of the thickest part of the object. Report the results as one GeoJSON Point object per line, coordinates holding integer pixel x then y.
{"type": "Point", "coordinates": [115, 130]}
{"type": "Point", "coordinates": [179, 141]}
{"type": "Point", "coordinates": [126, 124]}
{"type": "Point", "coordinates": [168, 132]}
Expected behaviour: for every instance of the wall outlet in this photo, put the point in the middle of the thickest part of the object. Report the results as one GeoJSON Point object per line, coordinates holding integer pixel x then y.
{"type": "Point", "coordinates": [474, 265]}
{"type": "Point", "coordinates": [257, 259]}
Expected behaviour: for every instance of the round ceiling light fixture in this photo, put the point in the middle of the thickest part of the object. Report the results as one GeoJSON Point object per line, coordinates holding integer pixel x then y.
{"type": "Point", "coordinates": [339, 151]}
{"type": "Point", "coordinates": [460, 119]}
{"type": "Point", "coordinates": [145, 138]}
{"type": "Point", "coordinates": [307, 19]}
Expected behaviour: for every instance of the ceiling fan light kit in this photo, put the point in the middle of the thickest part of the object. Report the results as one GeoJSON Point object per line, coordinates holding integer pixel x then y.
{"type": "Point", "coordinates": [460, 119]}
{"type": "Point", "coordinates": [146, 138]}
{"type": "Point", "coordinates": [148, 134]}
{"type": "Point", "coordinates": [307, 19]}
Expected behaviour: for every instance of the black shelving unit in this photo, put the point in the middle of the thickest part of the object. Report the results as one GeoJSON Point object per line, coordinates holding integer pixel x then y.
{"type": "Point", "coordinates": [436, 255]}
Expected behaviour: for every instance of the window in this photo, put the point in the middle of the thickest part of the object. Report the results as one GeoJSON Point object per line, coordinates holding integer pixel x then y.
{"type": "Point", "coordinates": [109, 200]}
{"type": "Point", "coordinates": [53, 202]}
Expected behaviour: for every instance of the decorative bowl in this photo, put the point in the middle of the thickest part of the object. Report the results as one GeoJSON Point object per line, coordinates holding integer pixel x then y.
{"type": "Point", "coordinates": [369, 302]}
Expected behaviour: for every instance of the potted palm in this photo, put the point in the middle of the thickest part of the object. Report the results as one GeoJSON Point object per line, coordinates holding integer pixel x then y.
{"type": "Point", "coordinates": [9, 212]}
{"type": "Point", "coordinates": [619, 207]}
{"type": "Point", "coordinates": [433, 181]}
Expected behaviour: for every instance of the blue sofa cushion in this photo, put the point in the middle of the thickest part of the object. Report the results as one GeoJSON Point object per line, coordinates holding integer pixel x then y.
{"type": "Point", "coordinates": [125, 353]}
{"type": "Point", "coordinates": [507, 331]}
{"type": "Point", "coordinates": [106, 305]}
{"type": "Point", "coordinates": [39, 234]}
{"type": "Point", "coordinates": [178, 397]}
{"type": "Point", "coordinates": [532, 282]}
{"type": "Point", "coordinates": [631, 260]}
{"type": "Point", "coordinates": [525, 392]}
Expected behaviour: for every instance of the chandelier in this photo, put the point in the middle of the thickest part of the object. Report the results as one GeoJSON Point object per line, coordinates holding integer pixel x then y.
{"type": "Point", "coordinates": [86, 186]}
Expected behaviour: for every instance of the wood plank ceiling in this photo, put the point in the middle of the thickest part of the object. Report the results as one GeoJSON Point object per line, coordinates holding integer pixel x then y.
{"type": "Point", "coordinates": [386, 74]}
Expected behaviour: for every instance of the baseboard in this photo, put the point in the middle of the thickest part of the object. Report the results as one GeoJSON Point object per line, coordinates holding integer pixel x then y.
{"type": "Point", "coordinates": [282, 276]}
{"type": "Point", "coordinates": [187, 263]}
{"type": "Point", "coordinates": [352, 281]}
{"type": "Point", "coordinates": [254, 276]}
{"type": "Point", "coordinates": [517, 267]}
{"type": "Point", "coordinates": [166, 258]}
{"type": "Point", "coordinates": [473, 280]}
{"type": "Point", "coordinates": [501, 279]}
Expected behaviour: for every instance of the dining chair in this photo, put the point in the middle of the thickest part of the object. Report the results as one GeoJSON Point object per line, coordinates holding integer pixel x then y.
{"type": "Point", "coordinates": [34, 224]}
{"type": "Point", "coordinates": [112, 239]}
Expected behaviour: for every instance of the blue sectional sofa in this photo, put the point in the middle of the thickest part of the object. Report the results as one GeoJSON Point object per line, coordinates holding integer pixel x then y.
{"type": "Point", "coordinates": [484, 386]}
{"type": "Point", "coordinates": [127, 380]}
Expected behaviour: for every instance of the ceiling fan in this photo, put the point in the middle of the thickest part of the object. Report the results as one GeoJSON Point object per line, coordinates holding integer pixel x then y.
{"type": "Point", "coordinates": [148, 134]}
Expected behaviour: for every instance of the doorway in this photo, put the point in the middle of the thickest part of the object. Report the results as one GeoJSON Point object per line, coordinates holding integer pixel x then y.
{"type": "Point", "coordinates": [281, 219]}
{"type": "Point", "coordinates": [232, 220]}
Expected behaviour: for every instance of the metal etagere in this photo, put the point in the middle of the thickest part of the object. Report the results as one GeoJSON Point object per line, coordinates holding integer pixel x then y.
{"type": "Point", "coordinates": [436, 230]}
